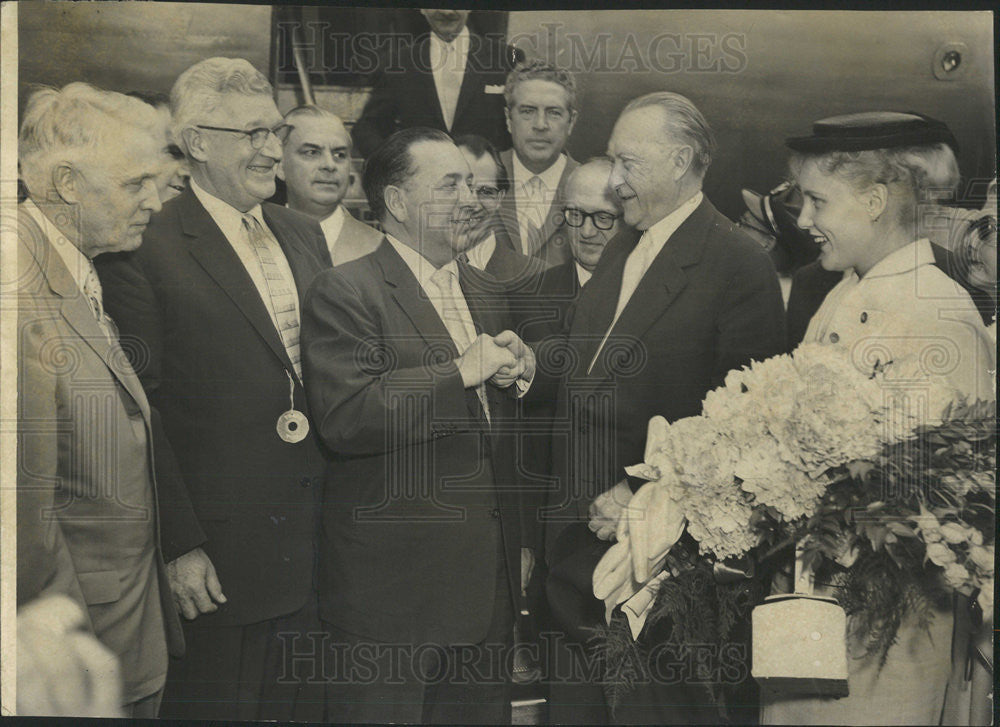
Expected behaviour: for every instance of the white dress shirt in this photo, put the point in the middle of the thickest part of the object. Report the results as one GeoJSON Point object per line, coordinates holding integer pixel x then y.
{"type": "Point", "coordinates": [906, 307]}
{"type": "Point", "coordinates": [582, 274]}
{"type": "Point", "coordinates": [479, 256]}
{"type": "Point", "coordinates": [532, 211]}
{"type": "Point", "coordinates": [650, 244]}
{"type": "Point", "coordinates": [230, 221]}
{"type": "Point", "coordinates": [448, 68]}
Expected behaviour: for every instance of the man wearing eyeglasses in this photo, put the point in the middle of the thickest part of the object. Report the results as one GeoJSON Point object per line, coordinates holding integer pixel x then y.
{"type": "Point", "coordinates": [210, 303]}
{"type": "Point", "coordinates": [316, 169]}
{"type": "Point", "coordinates": [541, 111]}
{"type": "Point", "coordinates": [491, 250]}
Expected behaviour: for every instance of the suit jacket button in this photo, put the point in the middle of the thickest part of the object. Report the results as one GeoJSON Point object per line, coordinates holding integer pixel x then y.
{"type": "Point", "coordinates": [305, 482]}
{"type": "Point", "coordinates": [834, 338]}
{"type": "Point", "coordinates": [864, 317]}
{"type": "Point", "coordinates": [496, 513]}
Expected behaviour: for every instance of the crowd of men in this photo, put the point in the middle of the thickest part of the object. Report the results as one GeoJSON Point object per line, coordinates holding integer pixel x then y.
{"type": "Point", "coordinates": [283, 465]}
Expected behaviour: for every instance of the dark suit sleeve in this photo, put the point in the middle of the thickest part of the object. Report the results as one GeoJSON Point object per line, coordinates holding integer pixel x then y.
{"type": "Point", "coordinates": [361, 401]}
{"type": "Point", "coordinates": [751, 319]}
{"type": "Point", "coordinates": [378, 120]}
{"type": "Point", "coordinates": [131, 302]}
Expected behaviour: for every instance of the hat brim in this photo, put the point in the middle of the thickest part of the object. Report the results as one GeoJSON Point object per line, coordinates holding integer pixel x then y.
{"type": "Point", "coordinates": [822, 144]}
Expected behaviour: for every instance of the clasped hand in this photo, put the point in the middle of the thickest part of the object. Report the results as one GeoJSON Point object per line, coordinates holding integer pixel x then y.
{"type": "Point", "coordinates": [500, 359]}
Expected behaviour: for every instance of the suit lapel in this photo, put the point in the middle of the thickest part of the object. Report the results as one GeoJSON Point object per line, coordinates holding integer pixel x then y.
{"type": "Point", "coordinates": [483, 306]}
{"type": "Point", "coordinates": [508, 207]}
{"type": "Point", "coordinates": [304, 262]}
{"type": "Point", "coordinates": [471, 79]}
{"type": "Point", "coordinates": [425, 76]}
{"type": "Point", "coordinates": [210, 248]}
{"type": "Point", "coordinates": [76, 311]}
{"type": "Point", "coordinates": [598, 300]}
{"type": "Point", "coordinates": [665, 278]}
{"type": "Point", "coordinates": [411, 298]}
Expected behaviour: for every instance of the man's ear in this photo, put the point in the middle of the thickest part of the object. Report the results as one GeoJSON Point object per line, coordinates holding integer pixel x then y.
{"type": "Point", "coordinates": [66, 183]}
{"type": "Point", "coordinates": [682, 161]}
{"type": "Point", "coordinates": [279, 169]}
{"type": "Point", "coordinates": [877, 200]}
{"type": "Point", "coordinates": [195, 142]}
{"type": "Point", "coordinates": [395, 203]}
{"type": "Point", "coordinates": [572, 121]}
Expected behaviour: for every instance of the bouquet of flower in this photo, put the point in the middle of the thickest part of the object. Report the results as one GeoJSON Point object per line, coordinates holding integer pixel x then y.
{"type": "Point", "coordinates": [884, 475]}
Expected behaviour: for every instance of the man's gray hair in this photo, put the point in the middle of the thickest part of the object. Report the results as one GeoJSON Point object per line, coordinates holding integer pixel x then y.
{"type": "Point", "coordinates": [67, 124]}
{"type": "Point", "coordinates": [202, 88]}
{"type": "Point", "coordinates": [683, 123]}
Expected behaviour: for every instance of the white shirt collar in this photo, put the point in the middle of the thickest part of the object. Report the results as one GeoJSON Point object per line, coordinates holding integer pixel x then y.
{"type": "Point", "coordinates": [78, 264]}
{"type": "Point", "coordinates": [421, 267]}
{"type": "Point", "coordinates": [460, 43]}
{"type": "Point", "coordinates": [582, 274]}
{"type": "Point", "coordinates": [332, 225]}
{"type": "Point", "coordinates": [658, 234]}
{"type": "Point", "coordinates": [228, 218]}
{"type": "Point", "coordinates": [479, 256]}
{"type": "Point", "coordinates": [550, 177]}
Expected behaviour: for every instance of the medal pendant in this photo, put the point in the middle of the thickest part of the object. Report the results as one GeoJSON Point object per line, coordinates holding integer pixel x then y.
{"type": "Point", "coordinates": [293, 426]}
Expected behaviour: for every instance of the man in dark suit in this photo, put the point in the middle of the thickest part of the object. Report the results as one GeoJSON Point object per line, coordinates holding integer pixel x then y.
{"type": "Point", "coordinates": [491, 251]}
{"type": "Point", "coordinates": [541, 111]}
{"type": "Point", "coordinates": [412, 393]}
{"type": "Point", "coordinates": [451, 79]}
{"type": "Point", "coordinates": [211, 301]}
{"type": "Point", "coordinates": [88, 522]}
{"type": "Point", "coordinates": [316, 169]}
{"type": "Point", "coordinates": [660, 323]}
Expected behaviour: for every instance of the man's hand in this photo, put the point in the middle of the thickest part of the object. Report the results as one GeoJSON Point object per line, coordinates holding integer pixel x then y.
{"type": "Point", "coordinates": [527, 567]}
{"type": "Point", "coordinates": [483, 359]}
{"type": "Point", "coordinates": [606, 510]}
{"type": "Point", "coordinates": [194, 584]}
{"type": "Point", "coordinates": [524, 360]}
{"type": "Point", "coordinates": [63, 670]}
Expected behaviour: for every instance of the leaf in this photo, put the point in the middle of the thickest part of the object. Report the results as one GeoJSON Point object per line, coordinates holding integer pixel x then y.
{"type": "Point", "coordinates": [900, 529]}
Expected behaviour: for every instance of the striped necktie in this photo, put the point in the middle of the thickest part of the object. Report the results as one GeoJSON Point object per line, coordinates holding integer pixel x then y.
{"type": "Point", "coordinates": [282, 303]}
{"type": "Point", "coordinates": [92, 290]}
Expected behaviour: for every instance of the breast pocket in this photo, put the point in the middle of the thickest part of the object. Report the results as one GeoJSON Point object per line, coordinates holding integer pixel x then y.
{"type": "Point", "coordinates": [100, 587]}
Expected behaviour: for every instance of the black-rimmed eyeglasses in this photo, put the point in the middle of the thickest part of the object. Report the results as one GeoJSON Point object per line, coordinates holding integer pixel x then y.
{"type": "Point", "coordinates": [576, 217]}
{"type": "Point", "coordinates": [258, 136]}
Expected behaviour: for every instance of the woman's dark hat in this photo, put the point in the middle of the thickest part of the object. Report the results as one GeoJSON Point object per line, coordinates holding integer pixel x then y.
{"type": "Point", "coordinates": [776, 214]}
{"type": "Point", "coordinates": [873, 130]}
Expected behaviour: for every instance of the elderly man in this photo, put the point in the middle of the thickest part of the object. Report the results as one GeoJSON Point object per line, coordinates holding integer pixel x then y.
{"type": "Point", "coordinates": [491, 250]}
{"type": "Point", "coordinates": [412, 374]}
{"type": "Point", "coordinates": [88, 521]}
{"type": "Point", "coordinates": [449, 79]}
{"type": "Point", "coordinates": [541, 111]}
{"type": "Point", "coordinates": [660, 323]}
{"type": "Point", "coordinates": [212, 298]}
{"type": "Point", "coordinates": [316, 169]}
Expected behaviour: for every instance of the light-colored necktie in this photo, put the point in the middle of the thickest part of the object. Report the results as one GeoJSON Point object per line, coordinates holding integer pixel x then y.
{"type": "Point", "coordinates": [284, 311]}
{"type": "Point", "coordinates": [635, 267]}
{"type": "Point", "coordinates": [92, 290]}
{"type": "Point", "coordinates": [450, 76]}
{"type": "Point", "coordinates": [535, 208]}
{"type": "Point", "coordinates": [459, 325]}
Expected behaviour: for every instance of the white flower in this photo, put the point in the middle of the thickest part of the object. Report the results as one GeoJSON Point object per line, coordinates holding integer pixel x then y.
{"type": "Point", "coordinates": [953, 533]}
{"type": "Point", "coordinates": [982, 557]}
{"type": "Point", "coordinates": [985, 598]}
{"type": "Point", "coordinates": [940, 554]}
{"type": "Point", "coordinates": [956, 575]}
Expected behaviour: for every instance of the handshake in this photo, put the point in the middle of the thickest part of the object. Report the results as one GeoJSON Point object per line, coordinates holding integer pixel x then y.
{"type": "Point", "coordinates": [501, 359]}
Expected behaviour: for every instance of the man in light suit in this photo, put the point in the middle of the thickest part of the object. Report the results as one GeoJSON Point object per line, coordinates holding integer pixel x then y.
{"type": "Point", "coordinates": [88, 520]}
{"type": "Point", "coordinates": [450, 79]}
{"type": "Point", "coordinates": [212, 296]}
{"type": "Point", "coordinates": [316, 169]}
{"type": "Point", "coordinates": [541, 111]}
{"type": "Point", "coordinates": [668, 312]}
{"type": "Point", "coordinates": [412, 375]}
